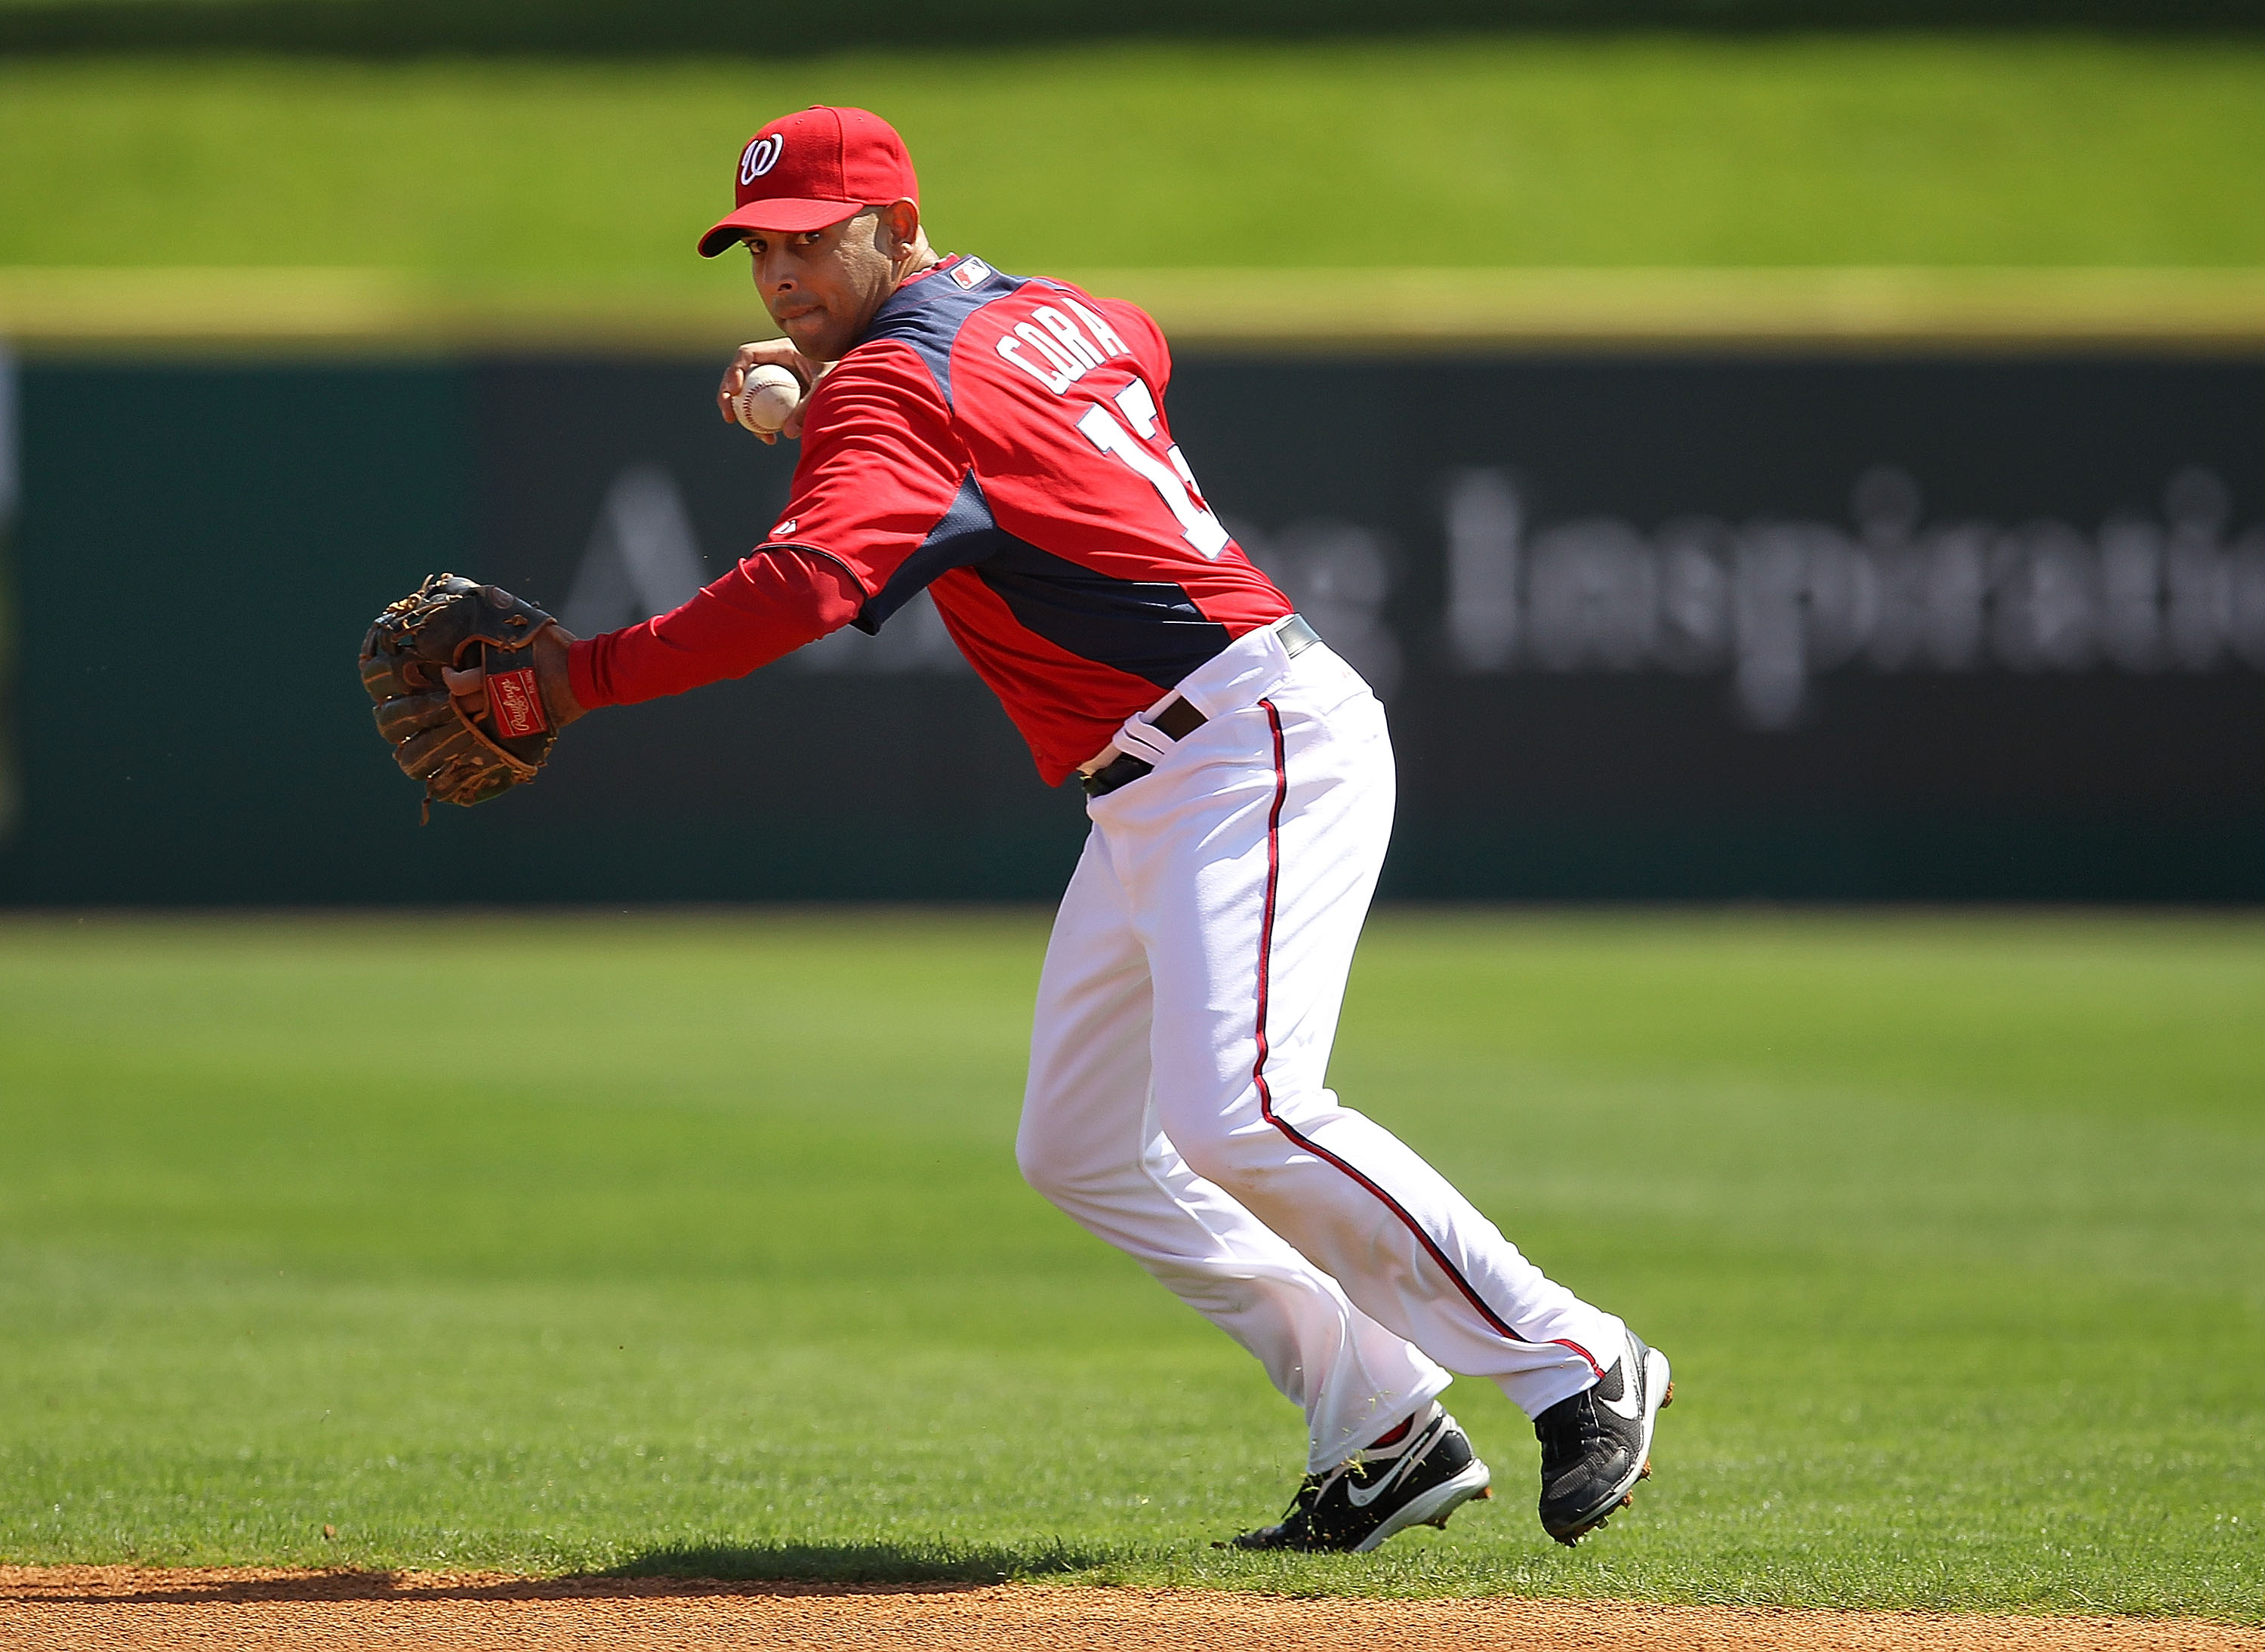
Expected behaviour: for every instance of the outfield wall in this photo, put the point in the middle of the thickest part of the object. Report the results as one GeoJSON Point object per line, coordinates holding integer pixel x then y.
{"type": "Point", "coordinates": [604, 27]}
{"type": "Point", "coordinates": [1685, 626]}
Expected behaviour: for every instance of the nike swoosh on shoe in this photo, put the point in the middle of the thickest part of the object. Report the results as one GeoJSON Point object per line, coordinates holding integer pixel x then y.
{"type": "Point", "coordinates": [1400, 1472]}
{"type": "Point", "coordinates": [1630, 1404]}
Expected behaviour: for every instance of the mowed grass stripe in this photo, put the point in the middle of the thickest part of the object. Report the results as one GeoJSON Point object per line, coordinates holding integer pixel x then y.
{"type": "Point", "coordinates": [1474, 153]}
{"type": "Point", "coordinates": [697, 1244]}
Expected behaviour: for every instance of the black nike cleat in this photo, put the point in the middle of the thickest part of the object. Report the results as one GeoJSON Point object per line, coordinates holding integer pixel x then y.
{"type": "Point", "coordinates": [1360, 1502]}
{"type": "Point", "coordinates": [1596, 1446]}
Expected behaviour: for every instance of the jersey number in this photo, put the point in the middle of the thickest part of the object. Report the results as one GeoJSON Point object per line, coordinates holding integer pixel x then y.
{"type": "Point", "coordinates": [1173, 482]}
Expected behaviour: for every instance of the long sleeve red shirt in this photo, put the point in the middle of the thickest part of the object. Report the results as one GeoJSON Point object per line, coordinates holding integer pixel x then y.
{"type": "Point", "coordinates": [765, 608]}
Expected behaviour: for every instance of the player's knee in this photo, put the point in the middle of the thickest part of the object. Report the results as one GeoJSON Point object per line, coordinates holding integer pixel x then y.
{"type": "Point", "coordinates": [1046, 1170]}
{"type": "Point", "coordinates": [1072, 1177]}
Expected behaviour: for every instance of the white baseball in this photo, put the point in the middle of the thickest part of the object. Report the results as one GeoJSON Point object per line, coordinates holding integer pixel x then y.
{"type": "Point", "coordinates": [768, 397]}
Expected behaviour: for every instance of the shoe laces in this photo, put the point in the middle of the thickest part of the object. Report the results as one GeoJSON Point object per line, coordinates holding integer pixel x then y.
{"type": "Point", "coordinates": [1566, 1431]}
{"type": "Point", "coordinates": [1303, 1500]}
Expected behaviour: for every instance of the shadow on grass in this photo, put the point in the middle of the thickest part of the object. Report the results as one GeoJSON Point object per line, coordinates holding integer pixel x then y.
{"type": "Point", "coordinates": [674, 1570]}
{"type": "Point", "coordinates": [939, 1562]}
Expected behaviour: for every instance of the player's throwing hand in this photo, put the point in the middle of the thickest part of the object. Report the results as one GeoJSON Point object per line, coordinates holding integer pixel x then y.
{"type": "Point", "coordinates": [776, 353]}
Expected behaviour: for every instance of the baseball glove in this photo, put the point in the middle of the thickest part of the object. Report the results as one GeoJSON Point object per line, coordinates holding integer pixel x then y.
{"type": "Point", "coordinates": [451, 622]}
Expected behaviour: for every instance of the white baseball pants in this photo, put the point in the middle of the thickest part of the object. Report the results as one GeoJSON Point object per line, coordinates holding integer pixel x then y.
{"type": "Point", "coordinates": [1176, 1106]}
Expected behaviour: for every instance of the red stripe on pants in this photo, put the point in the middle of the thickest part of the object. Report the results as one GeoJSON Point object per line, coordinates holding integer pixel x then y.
{"type": "Point", "coordinates": [1266, 1093]}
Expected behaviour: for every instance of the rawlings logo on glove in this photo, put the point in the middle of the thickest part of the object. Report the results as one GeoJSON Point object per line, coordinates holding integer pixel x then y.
{"type": "Point", "coordinates": [451, 628]}
{"type": "Point", "coordinates": [516, 703]}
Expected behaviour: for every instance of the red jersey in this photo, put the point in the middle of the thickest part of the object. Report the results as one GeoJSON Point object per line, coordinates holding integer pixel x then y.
{"type": "Point", "coordinates": [1002, 443]}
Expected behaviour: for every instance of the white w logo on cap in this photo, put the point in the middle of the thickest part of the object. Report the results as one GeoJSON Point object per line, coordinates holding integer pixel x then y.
{"type": "Point", "coordinates": [761, 155]}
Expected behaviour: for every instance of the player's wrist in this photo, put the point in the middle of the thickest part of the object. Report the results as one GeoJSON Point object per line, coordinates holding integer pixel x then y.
{"type": "Point", "coordinates": [555, 672]}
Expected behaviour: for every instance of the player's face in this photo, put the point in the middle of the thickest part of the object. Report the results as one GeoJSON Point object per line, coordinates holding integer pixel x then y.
{"type": "Point", "coordinates": [823, 286]}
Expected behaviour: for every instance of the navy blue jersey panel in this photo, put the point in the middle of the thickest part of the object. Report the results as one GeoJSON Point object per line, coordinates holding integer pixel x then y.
{"type": "Point", "coordinates": [1150, 628]}
{"type": "Point", "coordinates": [963, 534]}
{"type": "Point", "coordinates": [929, 314]}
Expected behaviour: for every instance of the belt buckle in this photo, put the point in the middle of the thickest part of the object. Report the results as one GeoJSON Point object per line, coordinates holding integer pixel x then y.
{"type": "Point", "coordinates": [1123, 772]}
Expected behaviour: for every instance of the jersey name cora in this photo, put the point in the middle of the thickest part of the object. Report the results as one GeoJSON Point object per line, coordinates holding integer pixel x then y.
{"type": "Point", "coordinates": [1001, 441]}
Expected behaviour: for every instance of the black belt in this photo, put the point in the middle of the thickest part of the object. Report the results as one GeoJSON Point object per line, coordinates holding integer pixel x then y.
{"type": "Point", "coordinates": [1179, 719]}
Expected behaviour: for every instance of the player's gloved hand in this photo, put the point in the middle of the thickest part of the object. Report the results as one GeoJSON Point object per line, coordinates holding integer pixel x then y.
{"type": "Point", "coordinates": [469, 687]}
{"type": "Point", "coordinates": [776, 353]}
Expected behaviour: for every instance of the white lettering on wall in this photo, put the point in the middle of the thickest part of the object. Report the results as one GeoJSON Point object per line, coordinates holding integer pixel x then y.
{"type": "Point", "coordinates": [641, 558]}
{"type": "Point", "coordinates": [1777, 602]}
{"type": "Point", "coordinates": [1484, 522]}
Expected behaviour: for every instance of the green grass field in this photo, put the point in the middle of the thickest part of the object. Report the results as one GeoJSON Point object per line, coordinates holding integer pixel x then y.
{"type": "Point", "coordinates": [1953, 151]}
{"type": "Point", "coordinates": [696, 1244]}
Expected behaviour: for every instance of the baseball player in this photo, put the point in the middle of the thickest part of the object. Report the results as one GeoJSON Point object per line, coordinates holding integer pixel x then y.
{"type": "Point", "coordinates": [1000, 443]}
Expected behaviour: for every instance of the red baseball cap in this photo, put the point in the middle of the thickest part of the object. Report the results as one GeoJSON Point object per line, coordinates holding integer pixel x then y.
{"type": "Point", "coordinates": [813, 169]}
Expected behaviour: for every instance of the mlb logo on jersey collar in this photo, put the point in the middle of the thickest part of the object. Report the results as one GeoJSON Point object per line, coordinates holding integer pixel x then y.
{"type": "Point", "coordinates": [969, 272]}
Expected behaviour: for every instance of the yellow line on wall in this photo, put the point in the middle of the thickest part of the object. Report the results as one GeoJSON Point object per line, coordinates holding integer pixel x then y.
{"type": "Point", "coordinates": [1751, 307]}
{"type": "Point", "coordinates": [73, 310]}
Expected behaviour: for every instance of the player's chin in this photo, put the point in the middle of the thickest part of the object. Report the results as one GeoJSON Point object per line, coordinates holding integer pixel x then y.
{"type": "Point", "coordinates": [815, 336]}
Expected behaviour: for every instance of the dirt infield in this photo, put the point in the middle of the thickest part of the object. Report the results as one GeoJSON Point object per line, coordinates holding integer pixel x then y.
{"type": "Point", "coordinates": [65, 1609]}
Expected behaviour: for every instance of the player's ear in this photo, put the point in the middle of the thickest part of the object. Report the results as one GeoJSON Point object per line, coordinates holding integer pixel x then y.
{"type": "Point", "coordinates": [900, 221]}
